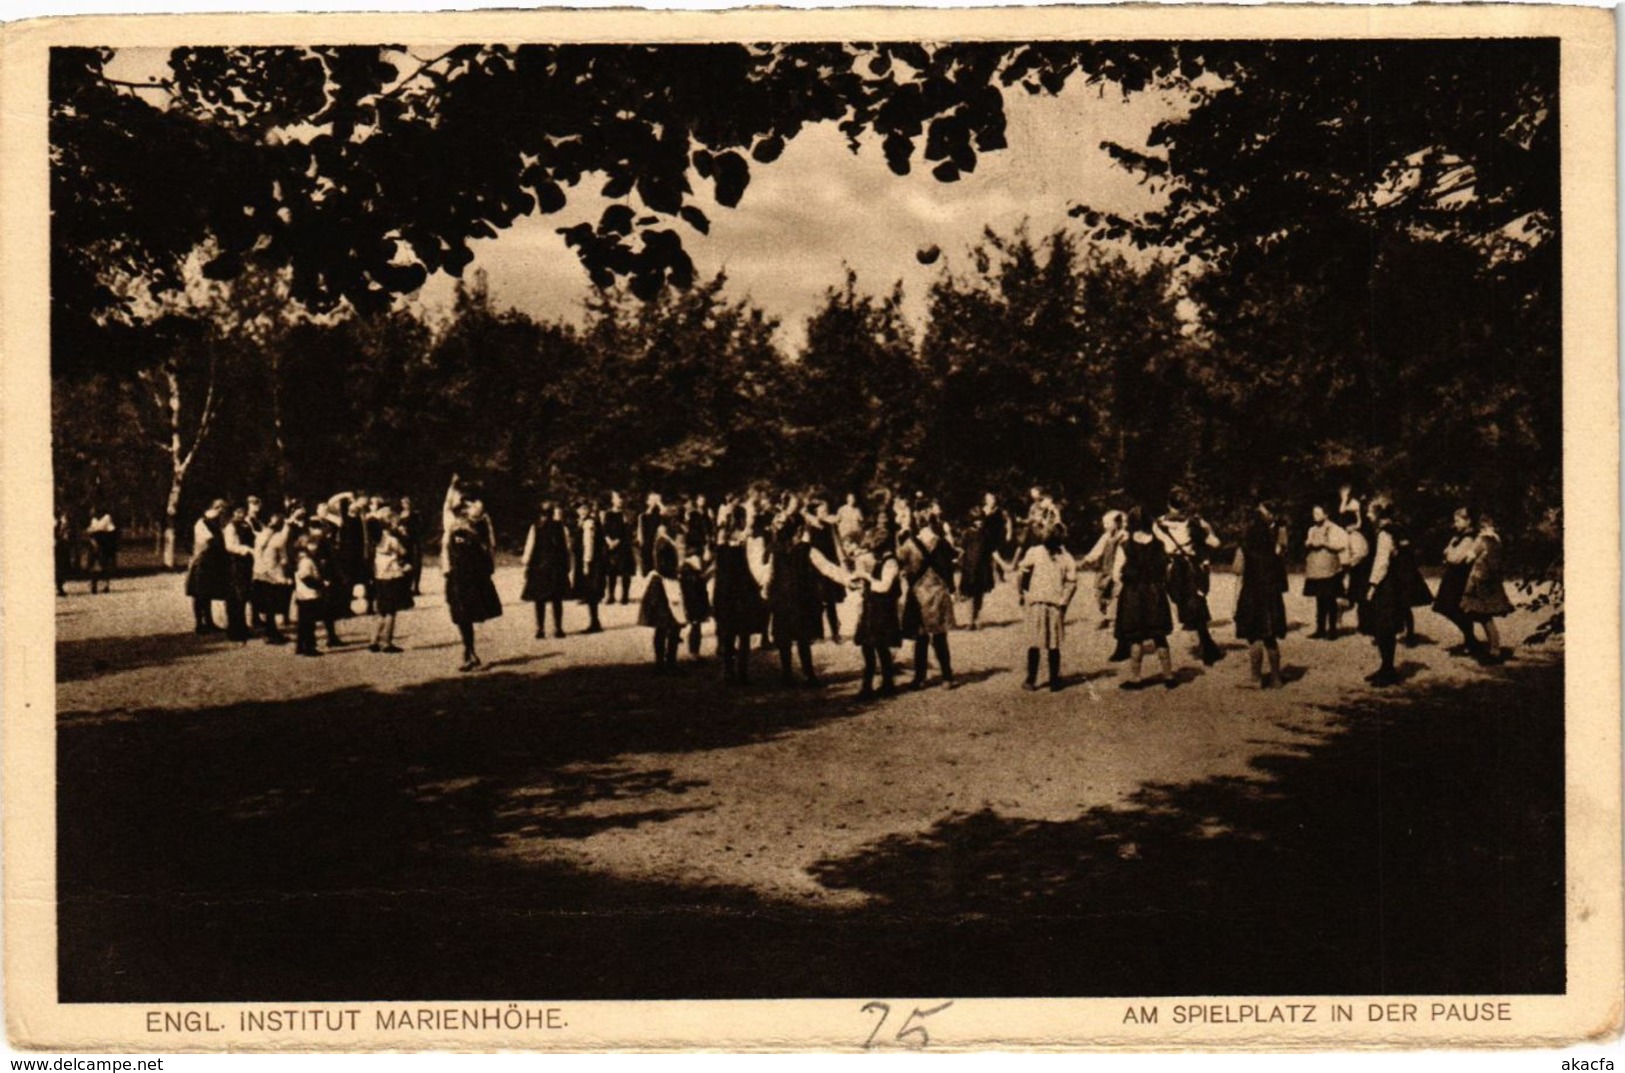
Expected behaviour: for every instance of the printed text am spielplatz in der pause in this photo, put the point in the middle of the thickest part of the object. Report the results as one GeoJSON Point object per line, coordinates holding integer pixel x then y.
{"type": "Point", "coordinates": [1309, 1013]}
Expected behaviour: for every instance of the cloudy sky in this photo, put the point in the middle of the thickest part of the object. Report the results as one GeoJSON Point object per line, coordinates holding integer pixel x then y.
{"type": "Point", "coordinates": [819, 207]}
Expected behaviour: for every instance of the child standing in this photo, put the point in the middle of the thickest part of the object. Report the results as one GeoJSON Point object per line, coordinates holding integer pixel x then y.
{"type": "Point", "coordinates": [927, 560]}
{"type": "Point", "coordinates": [1356, 557]}
{"type": "Point", "coordinates": [590, 558]}
{"type": "Point", "coordinates": [468, 560]}
{"type": "Point", "coordinates": [1103, 559]}
{"type": "Point", "coordinates": [272, 586]}
{"type": "Point", "coordinates": [879, 630]}
{"type": "Point", "coordinates": [547, 568]}
{"type": "Point", "coordinates": [1143, 615]}
{"type": "Point", "coordinates": [795, 593]}
{"type": "Point", "coordinates": [1048, 581]}
{"type": "Point", "coordinates": [1189, 540]}
{"type": "Point", "coordinates": [102, 536]}
{"type": "Point", "coordinates": [1458, 566]}
{"type": "Point", "coordinates": [1382, 608]}
{"type": "Point", "coordinates": [740, 610]}
{"type": "Point", "coordinates": [1485, 596]}
{"type": "Point", "coordinates": [661, 608]}
{"type": "Point", "coordinates": [310, 597]}
{"type": "Point", "coordinates": [976, 554]}
{"type": "Point", "coordinates": [1260, 610]}
{"type": "Point", "coordinates": [693, 577]}
{"type": "Point", "coordinates": [1325, 545]}
{"type": "Point", "coordinates": [392, 580]}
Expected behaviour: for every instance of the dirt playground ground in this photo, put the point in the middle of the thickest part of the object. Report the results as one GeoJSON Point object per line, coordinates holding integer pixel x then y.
{"type": "Point", "coordinates": [238, 823]}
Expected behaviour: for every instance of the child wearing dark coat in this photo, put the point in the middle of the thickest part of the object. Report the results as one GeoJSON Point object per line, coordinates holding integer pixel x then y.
{"type": "Point", "coordinates": [877, 576]}
{"type": "Point", "coordinates": [547, 568]}
{"type": "Point", "coordinates": [1260, 610]}
{"type": "Point", "coordinates": [1144, 616]}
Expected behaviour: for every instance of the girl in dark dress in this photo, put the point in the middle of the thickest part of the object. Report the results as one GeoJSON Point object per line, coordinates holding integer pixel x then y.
{"type": "Point", "coordinates": [662, 599]}
{"type": "Point", "coordinates": [591, 563]}
{"type": "Point", "coordinates": [1260, 610]}
{"type": "Point", "coordinates": [822, 536]}
{"type": "Point", "coordinates": [927, 560]}
{"type": "Point", "coordinates": [1414, 591]}
{"type": "Point", "coordinates": [618, 546]}
{"type": "Point", "coordinates": [335, 591]}
{"type": "Point", "coordinates": [649, 523]}
{"type": "Point", "coordinates": [1189, 541]}
{"type": "Point", "coordinates": [699, 529]}
{"type": "Point", "coordinates": [208, 575]}
{"type": "Point", "coordinates": [693, 577]}
{"type": "Point", "coordinates": [740, 610]}
{"type": "Point", "coordinates": [410, 525]}
{"type": "Point", "coordinates": [238, 538]}
{"type": "Point", "coordinates": [391, 572]}
{"type": "Point", "coordinates": [547, 568]}
{"type": "Point", "coordinates": [878, 578]}
{"type": "Point", "coordinates": [1458, 564]}
{"type": "Point", "coordinates": [469, 560]}
{"type": "Point", "coordinates": [984, 538]}
{"type": "Point", "coordinates": [1382, 611]}
{"type": "Point", "coordinates": [1144, 616]}
{"type": "Point", "coordinates": [354, 559]}
{"type": "Point", "coordinates": [794, 594]}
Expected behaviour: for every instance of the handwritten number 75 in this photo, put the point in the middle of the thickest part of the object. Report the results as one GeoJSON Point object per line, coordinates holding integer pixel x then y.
{"type": "Point", "coordinates": [912, 1034]}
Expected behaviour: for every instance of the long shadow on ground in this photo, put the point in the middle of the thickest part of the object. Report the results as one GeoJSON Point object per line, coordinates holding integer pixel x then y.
{"type": "Point", "coordinates": [1416, 846]}
{"type": "Point", "coordinates": [92, 656]}
{"type": "Point", "coordinates": [333, 848]}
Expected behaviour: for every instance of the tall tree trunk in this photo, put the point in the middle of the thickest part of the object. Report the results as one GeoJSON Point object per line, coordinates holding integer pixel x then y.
{"type": "Point", "coordinates": [172, 508]}
{"type": "Point", "coordinates": [180, 456]}
{"type": "Point", "coordinates": [177, 463]}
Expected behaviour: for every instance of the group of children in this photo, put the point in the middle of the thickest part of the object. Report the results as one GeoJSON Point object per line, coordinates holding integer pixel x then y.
{"type": "Point", "coordinates": [1146, 568]}
{"type": "Point", "coordinates": [781, 565]}
{"type": "Point", "coordinates": [301, 567]}
{"type": "Point", "coordinates": [777, 567]}
{"type": "Point", "coordinates": [772, 568]}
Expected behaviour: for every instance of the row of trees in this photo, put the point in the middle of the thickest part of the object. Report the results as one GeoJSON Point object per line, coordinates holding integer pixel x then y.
{"type": "Point", "coordinates": [1014, 380]}
{"type": "Point", "coordinates": [1045, 362]}
{"type": "Point", "coordinates": [1353, 274]}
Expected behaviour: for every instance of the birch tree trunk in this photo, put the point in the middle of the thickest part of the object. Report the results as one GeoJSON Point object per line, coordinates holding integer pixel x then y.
{"type": "Point", "coordinates": [166, 384]}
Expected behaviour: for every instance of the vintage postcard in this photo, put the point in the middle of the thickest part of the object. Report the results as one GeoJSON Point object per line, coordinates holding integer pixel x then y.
{"type": "Point", "coordinates": [767, 530]}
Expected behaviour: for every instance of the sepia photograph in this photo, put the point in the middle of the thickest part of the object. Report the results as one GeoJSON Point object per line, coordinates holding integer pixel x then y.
{"type": "Point", "coordinates": [989, 516]}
